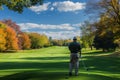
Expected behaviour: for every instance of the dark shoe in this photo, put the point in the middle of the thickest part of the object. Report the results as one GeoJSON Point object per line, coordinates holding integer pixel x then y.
{"type": "Point", "coordinates": [70, 74]}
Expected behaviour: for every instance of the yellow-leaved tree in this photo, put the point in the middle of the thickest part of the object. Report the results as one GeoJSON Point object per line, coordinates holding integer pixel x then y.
{"type": "Point", "coordinates": [2, 37]}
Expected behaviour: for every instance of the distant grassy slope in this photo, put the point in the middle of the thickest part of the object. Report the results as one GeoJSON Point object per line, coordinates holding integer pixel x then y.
{"type": "Point", "coordinates": [52, 64]}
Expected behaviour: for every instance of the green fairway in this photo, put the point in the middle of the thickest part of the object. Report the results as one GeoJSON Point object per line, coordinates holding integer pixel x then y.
{"type": "Point", "coordinates": [53, 64]}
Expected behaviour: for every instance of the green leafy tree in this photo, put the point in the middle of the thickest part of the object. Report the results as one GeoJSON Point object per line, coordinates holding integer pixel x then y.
{"type": "Point", "coordinates": [44, 41]}
{"type": "Point", "coordinates": [38, 40]}
{"type": "Point", "coordinates": [19, 5]}
{"type": "Point", "coordinates": [87, 34]}
{"type": "Point", "coordinates": [105, 41]}
{"type": "Point", "coordinates": [34, 40]}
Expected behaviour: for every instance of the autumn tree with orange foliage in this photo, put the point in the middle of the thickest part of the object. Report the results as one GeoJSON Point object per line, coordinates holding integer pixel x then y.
{"type": "Point", "coordinates": [23, 38]}
{"type": "Point", "coordinates": [11, 39]}
{"type": "Point", "coordinates": [16, 27]}
{"type": "Point", "coordinates": [25, 41]}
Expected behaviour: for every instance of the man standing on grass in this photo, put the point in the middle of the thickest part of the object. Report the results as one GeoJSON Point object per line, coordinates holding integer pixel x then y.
{"type": "Point", "coordinates": [74, 48]}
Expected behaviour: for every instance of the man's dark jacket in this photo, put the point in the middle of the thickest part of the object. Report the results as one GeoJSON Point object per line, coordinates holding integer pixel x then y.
{"type": "Point", "coordinates": [74, 47]}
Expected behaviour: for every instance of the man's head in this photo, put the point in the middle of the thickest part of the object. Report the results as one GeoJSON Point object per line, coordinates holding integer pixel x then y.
{"type": "Point", "coordinates": [74, 39]}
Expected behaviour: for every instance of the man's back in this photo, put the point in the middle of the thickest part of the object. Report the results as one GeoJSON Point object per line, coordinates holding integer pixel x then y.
{"type": "Point", "coordinates": [74, 47]}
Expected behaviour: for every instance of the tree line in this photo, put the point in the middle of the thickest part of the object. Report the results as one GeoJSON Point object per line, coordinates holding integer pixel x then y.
{"type": "Point", "coordinates": [12, 38]}
{"type": "Point", "coordinates": [104, 32]}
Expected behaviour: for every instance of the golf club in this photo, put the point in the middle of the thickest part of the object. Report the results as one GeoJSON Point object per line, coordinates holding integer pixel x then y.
{"type": "Point", "coordinates": [84, 64]}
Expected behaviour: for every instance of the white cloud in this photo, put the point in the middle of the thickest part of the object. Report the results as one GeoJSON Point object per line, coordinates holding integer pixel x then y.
{"type": "Point", "coordinates": [66, 6]}
{"type": "Point", "coordinates": [61, 31]}
{"type": "Point", "coordinates": [40, 8]}
{"type": "Point", "coordinates": [52, 8]}
{"type": "Point", "coordinates": [25, 26]}
{"type": "Point", "coordinates": [61, 34]}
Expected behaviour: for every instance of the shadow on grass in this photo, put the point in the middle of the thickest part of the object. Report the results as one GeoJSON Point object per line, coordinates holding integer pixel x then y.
{"type": "Point", "coordinates": [97, 52]}
{"type": "Point", "coordinates": [38, 75]}
{"type": "Point", "coordinates": [103, 63]}
{"type": "Point", "coordinates": [35, 75]}
{"type": "Point", "coordinates": [34, 65]}
{"type": "Point", "coordinates": [9, 51]}
{"type": "Point", "coordinates": [46, 58]}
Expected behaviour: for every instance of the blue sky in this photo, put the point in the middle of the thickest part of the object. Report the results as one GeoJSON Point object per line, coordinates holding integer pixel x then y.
{"type": "Point", "coordinates": [59, 19]}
